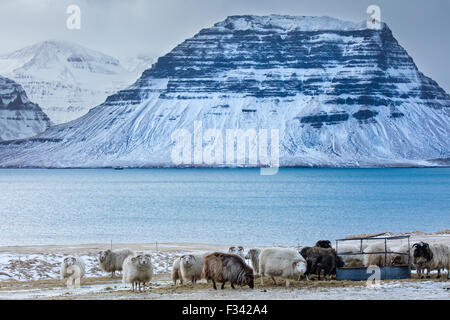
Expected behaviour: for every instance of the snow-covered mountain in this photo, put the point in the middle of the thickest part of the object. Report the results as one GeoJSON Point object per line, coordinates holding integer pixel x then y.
{"type": "Point", "coordinates": [67, 79]}
{"type": "Point", "coordinates": [339, 94]}
{"type": "Point", "coordinates": [19, 117]}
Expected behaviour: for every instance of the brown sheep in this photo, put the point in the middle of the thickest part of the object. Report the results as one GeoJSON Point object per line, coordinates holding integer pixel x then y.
{"type": "Point", "coordinates": [223, 267]}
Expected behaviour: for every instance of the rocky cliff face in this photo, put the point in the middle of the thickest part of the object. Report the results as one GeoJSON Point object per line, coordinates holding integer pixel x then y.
{"type": "Point", "coordinates": [19, 118]}
{"type": "Point", "coordinates": [339, 94]}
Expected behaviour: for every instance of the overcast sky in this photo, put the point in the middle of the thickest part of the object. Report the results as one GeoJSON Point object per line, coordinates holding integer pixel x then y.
{"type": "Point", "coordinates": [126, 28]}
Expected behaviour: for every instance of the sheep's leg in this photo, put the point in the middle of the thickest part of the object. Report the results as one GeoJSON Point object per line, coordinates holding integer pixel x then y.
{"type": "Point", "coordinates": [439, 273]}
{"type": "Point", "coordinates": [132, 286]}
{"type": "Point", "coordinates": [273, 279]}
{"type": "Point", "coordinates": [428, 273]}
{"type": "Point", "coordinates": [232, 285]}
{"type": "Point", "coordinates": [223, 285]}
{"type": "Point", "coordinates": [214, 285]}
{"type": "Point", "coordinates": [112, 275]}
{"type": "Point", "coordinates": [307, 277]}
{"type": "Point", "coordinates": [287, 282]}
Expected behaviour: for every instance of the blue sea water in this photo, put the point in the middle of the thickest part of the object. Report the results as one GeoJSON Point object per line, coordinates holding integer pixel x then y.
{"type": "Point", "coordinates": [239, 206]}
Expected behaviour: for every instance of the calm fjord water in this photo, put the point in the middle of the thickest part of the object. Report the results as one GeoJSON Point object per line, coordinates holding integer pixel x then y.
{"type": "Point", "coordinates": [296, 206]}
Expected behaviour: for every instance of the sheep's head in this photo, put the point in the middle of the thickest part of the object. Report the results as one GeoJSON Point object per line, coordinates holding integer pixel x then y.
{"type": "Point", "coordinates": [422, 253]}
{"type": "Point", "coordinates": [142, 259]}
{"type": "Point", "coordinates": [323, 244]}
{"type": "Point", "coordinates": [70, 261]}
{"type": "Point", "coordinates": [103, 255]}
{"type": "Point", "coordinates": [396, 260]}
{"type": "Point", "coordinates": [188, 259]}
{"type": "Point", "coordinates": [237, 250]}
{"type": "Point", "coordinates": [299, 267]}
{"type": "Point", "coordinates": [252, 253]}
{"type": "Point", "coordinates": [247, 278]}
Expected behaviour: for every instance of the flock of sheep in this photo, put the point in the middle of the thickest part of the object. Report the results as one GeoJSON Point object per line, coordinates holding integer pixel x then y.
{"type": "Point", "coordinates": [286, 263]}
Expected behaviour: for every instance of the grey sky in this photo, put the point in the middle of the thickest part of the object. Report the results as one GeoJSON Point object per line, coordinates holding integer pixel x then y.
{"type": "Point", "coordinates": [119, 27]}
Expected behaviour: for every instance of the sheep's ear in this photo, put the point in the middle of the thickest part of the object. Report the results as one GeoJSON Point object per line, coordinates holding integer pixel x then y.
{"type": "Point", "coordinates": [415, 245]}
{"type": "Point", "coordinates": [133, 259]}
{"type": "Point", "coordinates": [65, 259]}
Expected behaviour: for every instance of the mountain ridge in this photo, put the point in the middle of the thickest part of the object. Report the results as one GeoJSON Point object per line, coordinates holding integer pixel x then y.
{"type": "Point", "coordinates": [19, 117]}
{"type": "Point", "coordinates": [350, 97]}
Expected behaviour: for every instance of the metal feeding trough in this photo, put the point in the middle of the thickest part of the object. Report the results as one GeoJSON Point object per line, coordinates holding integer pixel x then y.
{"type": "Point", "coordinates": [384, 273]}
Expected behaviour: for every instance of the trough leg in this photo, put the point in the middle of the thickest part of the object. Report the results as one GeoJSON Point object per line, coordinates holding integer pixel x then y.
{"type": "Point", "coordinates": [287, 282]}
{"type": "Point", "coordinates": [262, 279]}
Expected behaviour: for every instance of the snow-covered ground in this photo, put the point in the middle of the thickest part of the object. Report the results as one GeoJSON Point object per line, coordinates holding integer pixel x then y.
{"type": "Point", "coordinates": [28, 267]}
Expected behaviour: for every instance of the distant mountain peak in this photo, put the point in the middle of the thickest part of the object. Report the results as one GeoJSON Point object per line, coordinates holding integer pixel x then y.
{"type": "Point", "coordinates": [66, 78]}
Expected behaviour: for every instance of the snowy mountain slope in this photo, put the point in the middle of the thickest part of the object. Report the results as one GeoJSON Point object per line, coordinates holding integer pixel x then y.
{"type": "Point", "coordinates": [339, 94]}
{"type": "Point", "coordinates": [66, 79]}
{"type": "Point", "coordinates": [19, 118]}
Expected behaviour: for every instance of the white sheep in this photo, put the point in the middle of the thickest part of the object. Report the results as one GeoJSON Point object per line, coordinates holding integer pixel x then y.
{"type": "Point", "coordinates": [354, 249]}
{"type": "Point", "coordinates": [399, 259]}
{"type": "Point", "coordinates": [137, 270]}
{"type": "Point", "coordinates": [176, 272]}
{"type": "Point", "coordinates": [281, 262]}
{"type": "Point", "coordinates": [112, 261]}
{"type": "Point", "coordinates": [239, 250]}
{"type": "Point", "coordinates": [253, 255]}
{"type": "Point", "coordinates": [72, 268]}
{"type": "Point", "coordinates": [375, 255]}
{"type": "Point", "coordinates": [191, 267]}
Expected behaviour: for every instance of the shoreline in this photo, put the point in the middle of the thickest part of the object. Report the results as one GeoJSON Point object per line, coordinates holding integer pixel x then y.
{"type": "Point", "coordinates": [187, 246]}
